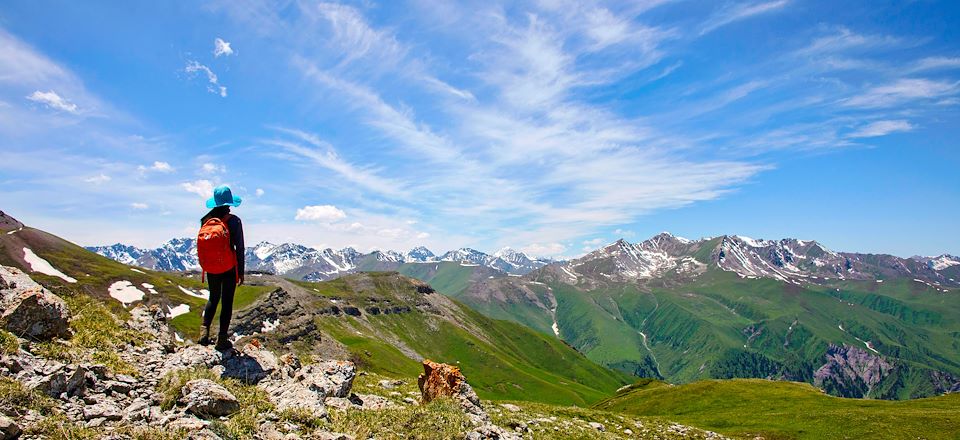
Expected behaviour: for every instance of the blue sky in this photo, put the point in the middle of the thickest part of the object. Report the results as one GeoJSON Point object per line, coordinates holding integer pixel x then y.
{"type": "Point", "coordinates": [549, 126]}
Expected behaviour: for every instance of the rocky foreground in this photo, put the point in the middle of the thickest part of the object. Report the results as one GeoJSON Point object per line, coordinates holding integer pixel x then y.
{"type": "Point", "coordinates": [85, 373]}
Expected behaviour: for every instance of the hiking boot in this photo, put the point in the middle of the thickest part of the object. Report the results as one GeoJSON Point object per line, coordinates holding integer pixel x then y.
{"type": "Point", "coordinates": [223, 342]}
{"type": "Point", "coordinates": [204, 335]}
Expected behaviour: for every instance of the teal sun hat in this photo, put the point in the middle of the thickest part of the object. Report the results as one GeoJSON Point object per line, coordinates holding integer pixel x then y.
{"type": "Point", "coordinates": [222, 196]}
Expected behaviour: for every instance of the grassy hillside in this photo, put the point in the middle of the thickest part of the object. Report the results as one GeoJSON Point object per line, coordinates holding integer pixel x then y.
{"type": "Point", "coordinates": [719, 325]}
{"type": "Point", "coordinates": [95, 273]}
{"type": "Point", "coordinates": [503, 360]}
{"type": "Point", "coordinates": [788, 410]}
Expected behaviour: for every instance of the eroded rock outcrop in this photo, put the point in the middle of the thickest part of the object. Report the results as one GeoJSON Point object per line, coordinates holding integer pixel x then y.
{"type": "Point", "coordinates": [851, 371]}
{"type": "Point", "coordinates": [443, 380]}
{"type": "Point", "coordinates": [29, 310]}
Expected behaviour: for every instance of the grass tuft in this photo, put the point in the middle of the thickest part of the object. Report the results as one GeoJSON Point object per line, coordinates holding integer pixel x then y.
{"type": "Point", "coordinates": [17, 399]}
{"type": "Point", "coordinates": [9, 343]}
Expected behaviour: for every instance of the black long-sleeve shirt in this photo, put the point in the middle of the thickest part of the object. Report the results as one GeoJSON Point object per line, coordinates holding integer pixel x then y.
{"type": "Point", "coordinates": [235, 226]}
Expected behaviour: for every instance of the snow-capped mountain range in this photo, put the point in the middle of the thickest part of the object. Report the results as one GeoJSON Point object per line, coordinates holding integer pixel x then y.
{"type": "Point", "coordinates": [297, 261]}
{"type": "Point", "coordinates": [789, 260]}
{"type": "Point", "coordinates": [663, 255]}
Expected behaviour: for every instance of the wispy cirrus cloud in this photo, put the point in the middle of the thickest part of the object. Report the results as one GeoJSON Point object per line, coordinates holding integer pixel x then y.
{"type": "Point", "coordinates": [731, 14]}
{"type": "Point", "coordinates": [194, 68]}
{"type": "Point", "coordinates": [882, 128]}
{"type": "Point", "coordinates": [902, 90]}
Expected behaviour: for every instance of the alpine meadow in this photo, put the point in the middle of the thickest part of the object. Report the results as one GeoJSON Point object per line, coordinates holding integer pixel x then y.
{"type": "Point", "coordinates": [504, 220]}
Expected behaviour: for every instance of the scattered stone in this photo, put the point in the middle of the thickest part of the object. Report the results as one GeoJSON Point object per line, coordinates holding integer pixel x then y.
{"type": "Point", "coordinates": [370, 401]}
{"type": "Point", "coordinates": [597, 426]}
{"type": "Point", "coordinates": [206, 398]}
{"type": "Point", "coordinates": [390, 384]}
{"type": "Point", "coordinates": [8, 428]}
{"type": "Point", "coordinates": [510, 407]}
{"type": "Point", "coordinates": [105, 411]}
{"type": "Point", "coordinates": [444, 380]}
{"type": "Point", "coordinates": [332, 436]}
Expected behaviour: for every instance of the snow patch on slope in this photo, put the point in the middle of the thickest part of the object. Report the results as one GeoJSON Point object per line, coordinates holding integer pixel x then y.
{"type": "Point", "coordinates": [125, 292]}
{"type": "Point", "coordinates": [38, 264]}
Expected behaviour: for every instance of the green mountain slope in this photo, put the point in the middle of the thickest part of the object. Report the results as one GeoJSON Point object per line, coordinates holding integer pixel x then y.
{"type": "Point", "coordinates": [389, 323]}
{"type": "Point", "coordinates": [750, 408]}
{"type": "Point", "coordinates": [721, 325]}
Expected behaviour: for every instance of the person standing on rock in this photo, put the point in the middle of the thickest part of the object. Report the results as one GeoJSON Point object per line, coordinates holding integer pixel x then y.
{"type": "Point", "coordinates": [221, 253]}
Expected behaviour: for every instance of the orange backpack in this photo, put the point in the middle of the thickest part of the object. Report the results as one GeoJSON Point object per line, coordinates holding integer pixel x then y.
{"type": "Point", "coordinates": [213, 247]}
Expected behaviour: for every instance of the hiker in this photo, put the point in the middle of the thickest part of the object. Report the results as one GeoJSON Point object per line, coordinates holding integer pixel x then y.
{"type": "Point", "coordinates": [220, 251]}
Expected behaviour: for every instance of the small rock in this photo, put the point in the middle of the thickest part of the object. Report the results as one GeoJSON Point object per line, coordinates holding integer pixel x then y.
{"type": "Point", "coordinates": [510, 407]}
{"type": "Point", "coordinates": [628, 431]}
{"type": "Point", "coordinates": [104, 411]}
{"type": "Point", "coordinates": [8, 428]}
{"type": "Point", "coordinates": [597, 426]}
{"type": "Point", "coordinates": [370, 401]}
{"type": "Point", "coordinates": [390, 384]}
{"type": "Point", "coordinates": [326, 435]}
{"type": "Point", "coordinates": [206, 398]}
{"type": "Point", "coordinates": [410, 401]}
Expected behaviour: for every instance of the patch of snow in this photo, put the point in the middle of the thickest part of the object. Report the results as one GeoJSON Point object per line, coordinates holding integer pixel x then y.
{"type": "Point", "coordinates": [125, 292]}
{"type": "Point", "coordinates": [572, 275]}
{"type": "Point", "coordinates": [38, 264]}
{"type": "Point", "coordinates": [468, 264]}
{"type": "Point", "coordinates": [879, 281]}
{"type": "Point", "coordinates": [15, 231]}
{"type": "Point", "coordinates": [269, 326]}
{"type": "Point", "coordinates": [751, 242]}
{"type": "Point", "coordinates": [136, 270]}
{"type": "Point", "coordinates": [191, 293]}
{"type": "Point", "coordinates": [177, 337]}
{"type": "Point", "coordinates": [556, 329]}
{"type": "Point", "coordinates": [150, 288]}
{"type": "Point", "coordinates": [178, 310]}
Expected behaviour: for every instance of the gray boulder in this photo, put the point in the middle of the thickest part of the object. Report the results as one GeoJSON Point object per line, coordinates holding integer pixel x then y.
{"type": "Point", "coordinates": [206, 398]}
{"type": "Point", "coordinates": [8, 428]}
{"type": "Point", "coordinates": [29, 310]}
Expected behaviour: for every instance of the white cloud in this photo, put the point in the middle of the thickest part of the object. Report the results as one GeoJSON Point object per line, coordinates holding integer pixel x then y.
{"type": "Point", "coordinates": [423, 235]}
{"type": "Point", "coordinates": [593, 242]}
{"type": "Point", "coordinates": [354, 36]}
{"type": "Point", "coordinates": [221, 47]}
{"type": "Point", "coordinates": [158, 166]}
{"type": "Point", "coordinates": [139, 206]}
{"type": "Point", "coordinates": [543, 249]}
{"type": "Point", "coordinates": [259, 192]}
{"type": "Point", "coordinates": [193, 68]}
{"type": "Point", "coordinates": [51, 99]}
{"type": "Point", "coordinates": [212, 168]}
{"type": "Point", "coordinates": [902, 90]}
{"type": "Point", "coordinates": [202, 187]}
{"type": "Point", "coordinates": [933, 63]}
{"type": "Point", "coordinates": [320, 213]}
{"type": "Point", "coordinates": [98, 179]}
{"type": "Point", "coordinates": [740, 12]}
{"type": "Point", "coordinates": [881, 128]}
{"type": "Point", "coordinates": [322, 153]}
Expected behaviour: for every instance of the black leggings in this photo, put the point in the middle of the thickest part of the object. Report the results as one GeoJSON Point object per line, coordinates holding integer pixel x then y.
{"type": "Point", "coordinates": [222, 286]}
